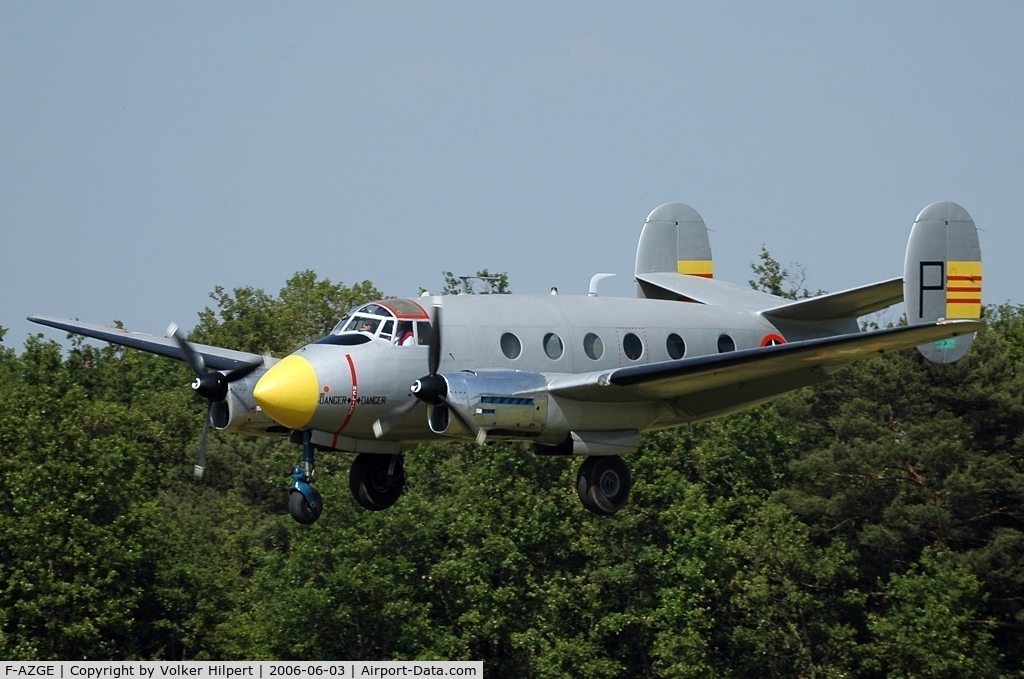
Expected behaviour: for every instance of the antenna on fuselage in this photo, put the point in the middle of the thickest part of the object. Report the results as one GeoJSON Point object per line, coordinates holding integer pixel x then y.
{"type": "Point", "coordinates": [597, 278]}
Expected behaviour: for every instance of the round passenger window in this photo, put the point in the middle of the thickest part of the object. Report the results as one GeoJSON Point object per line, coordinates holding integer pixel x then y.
{"type": "Point", "coordinates": [632, 345]}
{"type": "Point", "coordinates": [675, 345]}
{"type": "Point", "coordinates": [725, 343]}
{"type": "Point", "coordinates": [593, 347]}
{"type": "Point", "coordinates": [511, 346]}
{"type": "Point", "coordinates": [552, 345]}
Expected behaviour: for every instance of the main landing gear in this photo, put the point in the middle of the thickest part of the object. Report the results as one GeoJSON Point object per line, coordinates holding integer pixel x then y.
{"type": "Point", "coordinates": [603, 484]}
{"type": "Point", "coordinates": [377, 481]}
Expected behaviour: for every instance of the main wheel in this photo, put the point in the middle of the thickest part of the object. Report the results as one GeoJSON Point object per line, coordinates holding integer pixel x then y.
{"type": "Point", "coordinates": [603, 484]}
{"type": "Point", "coordinates": [301, 510]}
{"type": "Point", "coordinates": [376, 481]}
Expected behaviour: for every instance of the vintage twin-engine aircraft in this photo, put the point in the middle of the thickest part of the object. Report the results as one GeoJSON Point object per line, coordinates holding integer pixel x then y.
{"type": "Point", "coordinates": [573, 375]}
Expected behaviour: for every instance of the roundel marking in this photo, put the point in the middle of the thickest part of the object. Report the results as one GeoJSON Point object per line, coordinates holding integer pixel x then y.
{"type": "Point", "coordinates": [771, 340]}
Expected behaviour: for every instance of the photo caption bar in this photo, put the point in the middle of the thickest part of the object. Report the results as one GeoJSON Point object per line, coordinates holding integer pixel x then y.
{"type": "Point", "coordinates": [159, 669]}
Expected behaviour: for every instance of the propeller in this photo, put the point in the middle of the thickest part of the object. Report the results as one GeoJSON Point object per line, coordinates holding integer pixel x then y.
{"type": "Point", "coordinates": [431, 389]}
{"type": "Point", "coordinates": [211, 385]}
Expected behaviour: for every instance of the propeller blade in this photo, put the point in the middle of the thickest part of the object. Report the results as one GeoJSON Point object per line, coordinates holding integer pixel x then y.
{"type": "Point", "coordinates": [201, 463]}
{"type": "Point", "coordinates": [384, 424]}
{"type": "Point", "coordinates": [434, 357]}
{"type": "Point", "coordinates": [461, 417]}
{"type": "Point", "coordinates": [188, 354]}
{"type": "Point", "coordinates": [244, 371]}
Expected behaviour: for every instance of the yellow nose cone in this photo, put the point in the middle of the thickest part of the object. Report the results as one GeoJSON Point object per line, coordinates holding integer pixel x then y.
{"type": "Point", "coordinates": [288, 392]}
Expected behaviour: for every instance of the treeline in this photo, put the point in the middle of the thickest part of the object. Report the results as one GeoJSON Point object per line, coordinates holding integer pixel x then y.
{"type": "Point", "coordinates": [872, 526]}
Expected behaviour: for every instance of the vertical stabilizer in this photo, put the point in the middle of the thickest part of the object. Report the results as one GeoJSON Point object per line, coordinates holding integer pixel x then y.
{"type": "Point", "coordinates": [942, 275]}
{"type": "Point", "coordinates": [674, 240]}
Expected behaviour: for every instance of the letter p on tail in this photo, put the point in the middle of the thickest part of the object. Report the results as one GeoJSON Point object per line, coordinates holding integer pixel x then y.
{"type": "Point", "coordinates": [942, 275]}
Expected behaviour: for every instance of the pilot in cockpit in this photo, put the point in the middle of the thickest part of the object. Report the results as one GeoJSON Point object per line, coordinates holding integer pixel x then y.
{"type": "Point", "coordinates": [368, 325]}
{"type": "Point", "coordinates": [404, 336]}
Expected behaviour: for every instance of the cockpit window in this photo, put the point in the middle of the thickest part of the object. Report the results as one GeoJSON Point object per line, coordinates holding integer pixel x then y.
{"type": "Point", "coordinates": [341, 325]}
{"type": "Point", "coordinates": [387, 318]}
{"type": "Point", "coordinates": [406, 307]}
{"type": "Point", "coordinates": [375, 309]}
{"type": "Point", "coordinates": [361, 323]}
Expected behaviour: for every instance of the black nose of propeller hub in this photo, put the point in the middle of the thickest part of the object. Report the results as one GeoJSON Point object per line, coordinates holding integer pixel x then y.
{"type": "Point", "coordinates": [431, 389]}
{"type": "Point", "coordinates": [212, 386]}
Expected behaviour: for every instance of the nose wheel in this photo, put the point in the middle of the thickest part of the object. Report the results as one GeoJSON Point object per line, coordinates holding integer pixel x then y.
{"type": "Point", "coordinates": [305, 503]}
{"type": "Point", "coordinates": [301, 509]}
{"type": "Point", "coordinates": [603, 484]}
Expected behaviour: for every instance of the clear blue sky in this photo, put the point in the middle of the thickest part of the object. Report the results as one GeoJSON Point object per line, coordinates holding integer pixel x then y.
{"type": "Point", "coordinates": [151, 151]}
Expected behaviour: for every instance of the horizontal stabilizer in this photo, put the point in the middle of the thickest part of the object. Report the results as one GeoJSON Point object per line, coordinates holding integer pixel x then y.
{"type": "Point", "coordinates": [706, 290]}
{"type": "Point", "coordinates": [214, 357]}
{"type": "Point", "coordinates": [853, 303]}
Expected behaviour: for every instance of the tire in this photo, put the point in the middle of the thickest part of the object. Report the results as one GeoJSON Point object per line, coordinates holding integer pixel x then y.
{"type": "Point", "coordinates": [300, 510]}
{"type": "Point", "coordinates": [368, 481]}
{"type": "Point", "coordinates": [603, 484]}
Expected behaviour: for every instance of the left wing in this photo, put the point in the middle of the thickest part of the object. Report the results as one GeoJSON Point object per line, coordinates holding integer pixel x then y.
{"type": "Point", "coordinates": [670, 379]}
{"type": "Point", "coordinates": [214, 357]}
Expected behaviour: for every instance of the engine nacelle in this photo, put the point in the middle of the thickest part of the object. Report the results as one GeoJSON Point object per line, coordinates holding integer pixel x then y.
{"type": "Point", "coordinates": [506, 403]}
{"type": "Point", "coordinates": [239, 412]}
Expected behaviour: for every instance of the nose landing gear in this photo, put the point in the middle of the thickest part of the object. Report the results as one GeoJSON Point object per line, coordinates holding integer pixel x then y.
{"type": "Point", "coordinates": [305, 503]}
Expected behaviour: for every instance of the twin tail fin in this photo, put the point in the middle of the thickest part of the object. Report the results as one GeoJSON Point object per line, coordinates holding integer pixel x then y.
{"type": "Point", "coordinates": [942, 275]}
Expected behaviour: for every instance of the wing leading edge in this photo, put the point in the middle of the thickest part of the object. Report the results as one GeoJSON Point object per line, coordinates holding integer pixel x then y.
{"type": "Point", "coordinates": [670, 379]}
{"type": "Point", "coordinates": [214, 357]}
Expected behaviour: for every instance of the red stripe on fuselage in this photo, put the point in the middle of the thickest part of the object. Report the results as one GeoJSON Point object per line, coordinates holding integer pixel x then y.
{"type": "Point", "coordinates": [352, 404]}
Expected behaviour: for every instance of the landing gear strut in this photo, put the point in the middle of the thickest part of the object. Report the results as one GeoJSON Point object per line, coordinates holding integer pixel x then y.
{"type": "Point", "coordinates": [305, 503]}
{"type": "Point", "coordinates": [376, 481]}
{"type": "Point", "coordinates": [603, 484]}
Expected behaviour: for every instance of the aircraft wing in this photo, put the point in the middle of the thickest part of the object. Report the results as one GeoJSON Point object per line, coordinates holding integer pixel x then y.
{"type": "Point", "coordinates": [215, 357]}
{"type": "Point", "coordinates": [670, 379]}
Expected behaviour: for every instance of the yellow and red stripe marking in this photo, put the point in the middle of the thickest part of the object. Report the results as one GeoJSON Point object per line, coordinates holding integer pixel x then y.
{"type": "Point", "coordinates": [705, 268]}
{"type": "Point", "coordinates": [963, 289]}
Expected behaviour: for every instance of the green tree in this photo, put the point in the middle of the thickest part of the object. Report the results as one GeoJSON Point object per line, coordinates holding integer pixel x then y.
{"type": "Point", "coordinates": [774, 279]}
{"type": "Point", "coordinates": [931, 624]}
{"type": "Point", "coordinates": [493, 283]}
{"type": "Point", "coordinates": [899, 455]}
{"type": "Point", "coordinates": [249, 319]}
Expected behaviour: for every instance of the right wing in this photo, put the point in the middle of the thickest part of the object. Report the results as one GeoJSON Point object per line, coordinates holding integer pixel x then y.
{"type": "Point", "coordinates": [214, 357]}
{"type": "Point", "coordinates": [704, 374]}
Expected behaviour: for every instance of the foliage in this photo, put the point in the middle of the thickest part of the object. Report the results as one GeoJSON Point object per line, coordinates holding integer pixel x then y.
{"type": "Point", "coordinates": [493, 283]}
{"type": "Point", "coordinates": [871, 526]}
{"type": "Point", "coordinates": [306, 309]}
{"type": "Point", "coordinates": [776, 280]}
